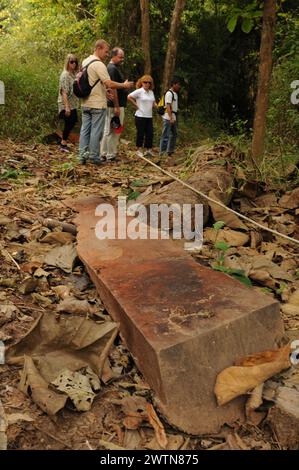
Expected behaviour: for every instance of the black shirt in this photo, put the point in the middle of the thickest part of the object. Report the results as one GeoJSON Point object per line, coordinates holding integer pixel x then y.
{"type": "Point", "coordinates": [116, 76]}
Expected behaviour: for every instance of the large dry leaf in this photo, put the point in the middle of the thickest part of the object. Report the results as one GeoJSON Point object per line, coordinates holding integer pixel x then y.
{"type": "Point", "coordinates": [157, 425]}
{"type": "Point", "coordinates": [62, 257]}
{"type": "Point", "coordinates": [254, 401]}
{"type": "Point", "coordinates": [232, 237]}
{"type": "Point", "coordinates": [78, 387]}
{"type": "Point", "coordinates": [71, 343]}
{"type": "Point", "coordinates": [252, 371]}
{"type": "Point", "coordinates": [33, 385]}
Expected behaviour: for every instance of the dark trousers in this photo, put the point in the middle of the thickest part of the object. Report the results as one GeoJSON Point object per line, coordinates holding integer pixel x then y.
{"type": "Point", "coordinates": [69, 122]}
{"type": "Point", "coordinates": [145, 132]}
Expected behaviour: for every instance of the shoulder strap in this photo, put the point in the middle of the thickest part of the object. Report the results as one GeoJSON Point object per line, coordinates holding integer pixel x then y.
{"type": "Point", "coordinates": [86, 67]}
{"type": "Point", "coordinates": [173, 98]}
{"type": "Point", "coordinates": [93, 60]}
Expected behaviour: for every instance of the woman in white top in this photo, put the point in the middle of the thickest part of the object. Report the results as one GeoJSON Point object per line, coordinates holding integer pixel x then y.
{"type": "Point", "coordinates": [143, 99]}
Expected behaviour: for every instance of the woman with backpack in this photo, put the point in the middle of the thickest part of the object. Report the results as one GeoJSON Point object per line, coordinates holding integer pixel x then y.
{"type": "Point", "coordinates": [68, 103]}
{"type": "Point", "coordinates": [143, 99]}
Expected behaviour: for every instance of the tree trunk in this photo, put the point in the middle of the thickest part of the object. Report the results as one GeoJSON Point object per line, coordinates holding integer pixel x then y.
{"type": "Point", "coordinates": [172, 42]}
{"type": "Point", "coordinates": [265, 70]}
{"type": "Point", "coordinates": [145, 35]}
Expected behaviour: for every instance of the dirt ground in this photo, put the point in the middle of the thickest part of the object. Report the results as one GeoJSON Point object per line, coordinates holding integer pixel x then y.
{"type": "Point", "coordinates": [34, 181]}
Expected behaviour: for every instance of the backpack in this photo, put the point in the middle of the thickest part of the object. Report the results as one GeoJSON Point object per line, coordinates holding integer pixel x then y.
{"type": "Point", "coordinates": [161, 104]}
{"type": "Point", "coordinates": [81, 85]}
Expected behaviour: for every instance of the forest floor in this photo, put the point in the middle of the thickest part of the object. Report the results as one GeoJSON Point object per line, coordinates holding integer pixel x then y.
{"type": "Point", "coordinates": [34, 181]}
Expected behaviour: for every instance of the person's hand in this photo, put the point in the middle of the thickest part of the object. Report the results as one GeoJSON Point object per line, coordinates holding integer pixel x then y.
{"type": "Point", "coordinates": [128, 84]}
{"type": "Point", "coordinates": [67, 111]}
{"type": "Point", "coordinates": [172, 120]}
{"type": "Point", "coordinates": [109, 94]}
{"type": "Point", "coordinates": [116, 111]}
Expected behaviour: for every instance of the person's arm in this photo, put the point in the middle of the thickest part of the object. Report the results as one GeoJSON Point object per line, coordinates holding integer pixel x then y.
{"type": "Point", "coordinates": [169, 109]}
{"type": "Point", "coordinates": [64, 87]}
{"type": "Point", "coordinates": [169, 112]}
{"type": "Point", "coordinates": [125, 85]}
{"type": "Point", "coordinates": [103, 75]}
{"type": "Point", "coordinates": [133, 100]}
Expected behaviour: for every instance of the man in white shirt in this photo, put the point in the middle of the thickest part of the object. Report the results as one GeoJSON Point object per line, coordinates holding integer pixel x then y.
{"type": "Point", "coordinates": [94, 107]}
{"type": "Point", "coordinates": [169, 132]}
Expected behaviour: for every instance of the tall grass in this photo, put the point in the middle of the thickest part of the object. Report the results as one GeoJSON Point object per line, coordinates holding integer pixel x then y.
{"type": "Point", "coordinates": [31, 89]}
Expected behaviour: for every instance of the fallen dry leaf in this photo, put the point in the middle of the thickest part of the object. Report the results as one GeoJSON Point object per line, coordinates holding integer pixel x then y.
{"type": "Point", "coordinates": [15, 417]}
{"type": "Point", "coordinates": [61, 238]}
{"type": "Point", "coordinates": [74, 306]}
{"type": "Point", "coordinates": [157, 425]}
{"type": "Point", "coordinates": [63, 257]}
{"type": "Point", "coordinates": [232, 237]}
{"type": "Point", "coordinates": [252, 371]}
{"type": "Point", "coordinates": [253, 402]}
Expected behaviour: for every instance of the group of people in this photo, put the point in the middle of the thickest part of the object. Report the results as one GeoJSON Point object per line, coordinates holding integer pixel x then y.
{"type": "Point", "coordinates": [103, 111]}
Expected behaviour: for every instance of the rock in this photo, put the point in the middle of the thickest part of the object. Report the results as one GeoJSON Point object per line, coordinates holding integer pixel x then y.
{"type": "Point", "coordinates": [175, 193]}
{"type": "Point", "coordinates": [284, 417]}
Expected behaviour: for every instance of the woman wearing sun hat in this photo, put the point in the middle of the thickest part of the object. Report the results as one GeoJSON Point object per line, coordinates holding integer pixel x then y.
{"type": "Point", "coordinates": [68, 103]}
{"type": "Point", "coordinates": [143, 99]}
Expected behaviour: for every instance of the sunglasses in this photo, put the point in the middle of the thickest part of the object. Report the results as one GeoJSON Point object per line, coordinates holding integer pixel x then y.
{"type": "Point", "coordinates": [73, 62]}
{"type": "Point", "coordinates": [148, 82]}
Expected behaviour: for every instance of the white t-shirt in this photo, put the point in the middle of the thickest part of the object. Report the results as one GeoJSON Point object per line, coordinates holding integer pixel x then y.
{"type": "Point", "coordinates": [144, 100]}
{"type": "Point", "coordinates": [173, 101]}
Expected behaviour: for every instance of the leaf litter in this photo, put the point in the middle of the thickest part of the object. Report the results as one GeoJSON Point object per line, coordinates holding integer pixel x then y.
{"type": "Point", "coordinates": [35, 236]}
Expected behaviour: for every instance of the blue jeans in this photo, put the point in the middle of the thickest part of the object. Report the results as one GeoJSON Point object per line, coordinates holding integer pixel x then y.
{"type": "Point", "coordinates": [168, 137]}
{"type": "Point", "coordinates": [91, 133]}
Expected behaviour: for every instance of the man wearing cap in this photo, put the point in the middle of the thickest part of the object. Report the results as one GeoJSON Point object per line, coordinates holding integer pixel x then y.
{"type": "Point", "coordinates": [95, 105]}
{"type": "Point", "coordinates": [116, 108]}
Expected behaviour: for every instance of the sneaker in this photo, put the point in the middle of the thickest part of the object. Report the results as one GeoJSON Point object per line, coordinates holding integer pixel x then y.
{"type": "Point", "coordinates": [97, 161]}
{"type": "Point", "coordinates": [139, 153]}
{"type": "Point", "coordinates": [64, 148]}
{"type": "Point", "coordinates": [149, 153]}
{"type": "Point", "coordinates": [110, 158]}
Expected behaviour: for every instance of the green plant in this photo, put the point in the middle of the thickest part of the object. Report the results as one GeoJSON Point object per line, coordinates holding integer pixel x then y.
{"type": "Point", "coordinates": [133, 195]}
{"type": "Point", "coordinates": [12, 173]}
